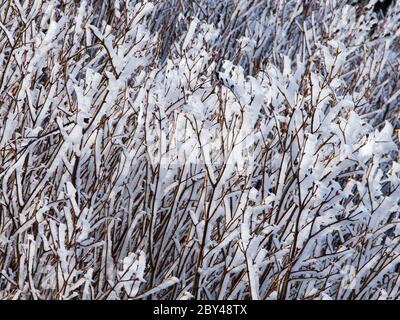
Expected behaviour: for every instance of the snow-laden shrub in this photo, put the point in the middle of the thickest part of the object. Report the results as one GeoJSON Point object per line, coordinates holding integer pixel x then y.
{"type": "Point", "coordinates": [231, 150]}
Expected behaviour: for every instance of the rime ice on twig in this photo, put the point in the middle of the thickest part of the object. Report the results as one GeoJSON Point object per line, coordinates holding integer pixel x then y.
{"type": "Point", "coordinates": [208, 149]}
